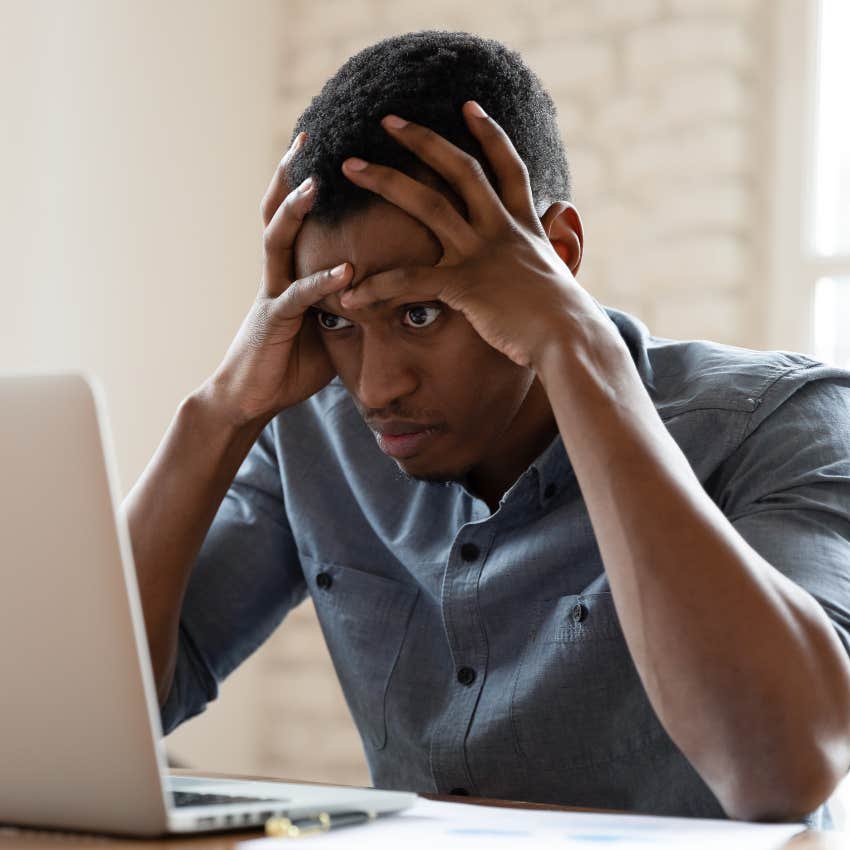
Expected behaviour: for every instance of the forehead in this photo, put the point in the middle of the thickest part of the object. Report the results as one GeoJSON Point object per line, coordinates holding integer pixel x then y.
{"type": "Point", "coordinates": [375, 239]}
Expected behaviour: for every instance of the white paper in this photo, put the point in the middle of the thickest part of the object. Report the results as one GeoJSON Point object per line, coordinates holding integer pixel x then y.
{"type": "Point", "coordinates": [452, 826]}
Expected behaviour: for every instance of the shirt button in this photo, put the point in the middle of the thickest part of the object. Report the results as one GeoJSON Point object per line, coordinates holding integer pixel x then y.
{"type": "Point", "coordinates": [469, 551]}
{"type": "Point", "coordinates": [324, 580]}
{"type": "Point", "coordinates": [459, 792]}
{"type": "Point", "coordinates": [579, 613]}
{"type": "Point", "coordinates": [466, 675]}
{"type": "Point", "coordinates": [550, 491]}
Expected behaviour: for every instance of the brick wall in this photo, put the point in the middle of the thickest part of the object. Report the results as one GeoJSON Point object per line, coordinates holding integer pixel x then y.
{"type": "Point", "coordinates": [665, 110]}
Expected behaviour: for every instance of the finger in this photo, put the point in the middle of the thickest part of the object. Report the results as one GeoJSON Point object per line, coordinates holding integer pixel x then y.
{"type": "Point", "coordinates": [425, 204]}
{"type": "Point", "coordinates": [305, 292]}
{"type": "Point", "coordinates": [279, 237]}
{"type": "Point", "coordinates": [514, 185]}
{"type": "Point", "coordinates": [279, 186]}
{"type": "Point", "coordinates": [408, 283]}
{"type": "Point", "coordinates": [462, 171]}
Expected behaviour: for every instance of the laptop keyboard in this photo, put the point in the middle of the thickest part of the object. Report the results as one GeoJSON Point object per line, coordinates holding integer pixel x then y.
{"type": "Point", "coordinates": [191, 798]}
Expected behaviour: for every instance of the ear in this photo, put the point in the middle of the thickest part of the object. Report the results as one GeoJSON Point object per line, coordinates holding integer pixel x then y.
{"type": "Point", "coordinates": [562, 224]}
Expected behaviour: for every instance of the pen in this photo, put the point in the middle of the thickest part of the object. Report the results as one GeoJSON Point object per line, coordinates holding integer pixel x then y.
{"type": "Point", "coordinates": [300, 827]}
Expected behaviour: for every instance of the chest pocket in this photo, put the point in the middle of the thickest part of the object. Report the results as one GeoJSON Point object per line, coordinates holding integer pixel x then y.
{"type": "Point", "coordinates": [364, 618]}
{"type": "Point", "coordinates": [577, 700]}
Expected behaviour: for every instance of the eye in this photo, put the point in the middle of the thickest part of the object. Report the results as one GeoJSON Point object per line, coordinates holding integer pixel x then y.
{"type": "Point", "coordinates": [422, 315]}
{"type": "Point", "coordinates": [332, 322]}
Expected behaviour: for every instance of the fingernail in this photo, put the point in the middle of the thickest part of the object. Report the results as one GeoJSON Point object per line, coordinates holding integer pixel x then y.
{"type": "Point", "coordinates": [355, 164]}
{"type": "Point", "coordinates": [394, 122]}
{"type": "Point", "coordinates": [475, 109]}
{"type": "Point", "coordinates": [338, 271]}
{"type": "Point", "coordinates": [306, 186]}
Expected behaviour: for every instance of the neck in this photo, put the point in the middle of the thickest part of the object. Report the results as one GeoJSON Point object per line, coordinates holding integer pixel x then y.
{"type": "Point", "coordinates": [530, 432]}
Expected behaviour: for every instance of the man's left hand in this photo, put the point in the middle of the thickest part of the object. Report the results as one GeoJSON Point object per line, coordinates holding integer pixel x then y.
{"type": "Point", "coordinates": [500, 267]}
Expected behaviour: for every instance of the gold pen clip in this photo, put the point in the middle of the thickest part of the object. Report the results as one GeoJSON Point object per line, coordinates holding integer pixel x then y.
{"type": "Point", "coordinates": [286, 828]}
{"type": "Point", "coordinates": [301, 827]}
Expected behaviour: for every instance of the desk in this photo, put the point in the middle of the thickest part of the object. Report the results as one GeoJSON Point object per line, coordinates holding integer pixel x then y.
{"type": "Point", "coordinates": [44, 840]}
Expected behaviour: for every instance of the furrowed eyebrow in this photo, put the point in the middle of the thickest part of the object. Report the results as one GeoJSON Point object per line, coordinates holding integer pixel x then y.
{"type": "Point", "coordinates": [372, 306]}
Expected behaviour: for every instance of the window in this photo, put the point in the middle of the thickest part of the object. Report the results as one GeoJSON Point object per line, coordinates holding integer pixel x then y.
{"type": "Point", "coordinates": [810, 310]}
{"type": "Point", "coordinates": [829, 237]}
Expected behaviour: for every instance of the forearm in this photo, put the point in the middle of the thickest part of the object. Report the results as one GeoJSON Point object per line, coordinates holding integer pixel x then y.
{"type": "Point", "coordinates": [169, 512]}
{"type": "Point", "coordinates": [741, 665]}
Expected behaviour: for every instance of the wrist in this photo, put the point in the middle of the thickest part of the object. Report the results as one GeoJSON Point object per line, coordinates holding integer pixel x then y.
{"type": "Point", "coordinates": [581, 344]}
{"type": "Point", "coordinates": [212, 407]}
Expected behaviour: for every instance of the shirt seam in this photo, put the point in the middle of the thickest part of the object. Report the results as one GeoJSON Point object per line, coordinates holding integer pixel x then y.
{"type": "Point", "coordinates": [787, 374]}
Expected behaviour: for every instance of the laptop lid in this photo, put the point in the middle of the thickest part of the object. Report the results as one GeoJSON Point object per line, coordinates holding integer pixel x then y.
{"type": "Point", "coordinates": [79, 720]}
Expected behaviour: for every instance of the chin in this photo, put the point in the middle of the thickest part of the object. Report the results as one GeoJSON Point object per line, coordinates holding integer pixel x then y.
{"type": "Point", "coordinates": [434, 475]}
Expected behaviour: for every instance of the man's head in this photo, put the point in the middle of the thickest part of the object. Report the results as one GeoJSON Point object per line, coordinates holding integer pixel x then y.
{"type": "Point", "coordinates": [425, 365]}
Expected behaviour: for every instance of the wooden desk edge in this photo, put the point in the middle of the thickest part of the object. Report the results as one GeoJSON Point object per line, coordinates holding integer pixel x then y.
{"type": "Point", "coordinates": [30, 839]}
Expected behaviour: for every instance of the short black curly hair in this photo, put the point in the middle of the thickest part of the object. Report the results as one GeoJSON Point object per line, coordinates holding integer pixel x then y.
{"type": "Point", "coordinates": [425, 77]}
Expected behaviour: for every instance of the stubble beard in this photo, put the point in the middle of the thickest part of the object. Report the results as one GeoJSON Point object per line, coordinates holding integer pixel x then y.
{"type": "Point", "coordinates": [437, 478]}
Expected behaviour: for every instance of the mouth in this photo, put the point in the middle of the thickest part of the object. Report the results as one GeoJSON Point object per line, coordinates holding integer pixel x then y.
{"type": "Point", "coordinates": [407, 440]}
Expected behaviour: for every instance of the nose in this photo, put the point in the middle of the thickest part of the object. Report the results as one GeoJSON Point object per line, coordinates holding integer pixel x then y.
{"type": "Point", "coordinates": [385, 372]}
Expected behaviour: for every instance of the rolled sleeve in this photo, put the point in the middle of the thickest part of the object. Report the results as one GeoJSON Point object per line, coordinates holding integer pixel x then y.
{"type": "Point", "coordinates": [246, 578]}
{"type": "Point", "coordinates": [786, 490]}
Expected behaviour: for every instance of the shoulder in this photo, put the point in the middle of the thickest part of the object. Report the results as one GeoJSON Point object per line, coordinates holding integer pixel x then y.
{"type": "Point", "coordinates": [692, 375]}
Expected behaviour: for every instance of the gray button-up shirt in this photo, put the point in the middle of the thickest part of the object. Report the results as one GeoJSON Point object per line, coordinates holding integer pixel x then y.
{"type": "Point", "coordinates": [483, 651]}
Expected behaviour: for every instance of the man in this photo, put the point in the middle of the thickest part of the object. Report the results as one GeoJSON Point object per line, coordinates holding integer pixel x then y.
{"type": "Point", "coordinates": [630, 588]}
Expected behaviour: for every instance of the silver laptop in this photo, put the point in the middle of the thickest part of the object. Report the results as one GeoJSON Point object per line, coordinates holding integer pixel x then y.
{"type": "Point", "coordinates": [80, 735]}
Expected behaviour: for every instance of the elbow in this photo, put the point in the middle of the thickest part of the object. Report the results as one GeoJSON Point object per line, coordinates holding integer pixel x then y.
{"type": "Point", "coordinates": [779, 805]}
{"type": "Point", "coordinates": [785, 793]}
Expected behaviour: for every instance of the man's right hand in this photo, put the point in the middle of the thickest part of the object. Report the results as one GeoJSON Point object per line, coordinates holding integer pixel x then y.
{"type": "Point", "coordinates": [277, 359]}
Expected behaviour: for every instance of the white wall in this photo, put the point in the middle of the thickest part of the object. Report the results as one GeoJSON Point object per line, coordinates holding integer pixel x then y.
{"type": "Point", "coordinates": [141, 137]}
